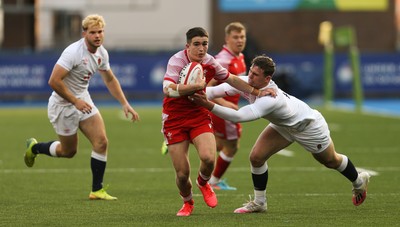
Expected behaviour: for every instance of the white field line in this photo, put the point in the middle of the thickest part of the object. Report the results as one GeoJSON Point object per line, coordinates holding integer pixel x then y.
{"type": "Point", "coordinates": [373, 172]}
{"type": "Point", "coordinates": [286, 153]}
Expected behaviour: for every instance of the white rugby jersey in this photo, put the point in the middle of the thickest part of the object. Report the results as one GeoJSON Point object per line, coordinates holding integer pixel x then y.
{"type": "Point", "coordinates": [82, 65]}
{"type": "Point", "coordinates": [282, 110]}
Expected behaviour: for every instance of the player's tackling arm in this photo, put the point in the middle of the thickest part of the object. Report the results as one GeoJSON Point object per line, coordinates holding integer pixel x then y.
{"type": "Point", "coordinates": [241, 85]}
{"type": "Point", "coordinates": [246, 113]}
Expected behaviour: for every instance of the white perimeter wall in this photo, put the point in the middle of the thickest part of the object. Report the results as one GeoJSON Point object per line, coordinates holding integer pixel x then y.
{"type": "Point", "coordinates": [130, 24]}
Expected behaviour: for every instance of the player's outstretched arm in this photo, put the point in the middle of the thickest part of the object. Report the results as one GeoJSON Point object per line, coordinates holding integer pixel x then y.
{"type": "Point", "coordinates": [115, 89]}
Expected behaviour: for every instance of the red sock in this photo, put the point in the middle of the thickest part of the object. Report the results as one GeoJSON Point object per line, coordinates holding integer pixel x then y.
{"type": "Point", "coordinates": [201, 181]}
{"type": "Point", "coordinates": [220, 167]}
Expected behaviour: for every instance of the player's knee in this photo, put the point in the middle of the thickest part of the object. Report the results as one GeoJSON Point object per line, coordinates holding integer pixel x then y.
{"type": "Point", "coordinates": [208, 161]}
{"type": "Point", "coordinates": [101, 145]}
{"type": "Point", "coordinates": [182, 176]}
{"type": "Point", "coordinates": [256, 160]}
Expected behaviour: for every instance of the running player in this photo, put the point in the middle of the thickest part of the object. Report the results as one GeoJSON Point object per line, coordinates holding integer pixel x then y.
{"type": "Point", "coordinates": [71, 108]}
{"type": "Point", "coordinates": [184, 122]}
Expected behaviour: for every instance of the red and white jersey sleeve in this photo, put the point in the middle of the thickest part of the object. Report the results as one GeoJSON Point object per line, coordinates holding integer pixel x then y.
{"type": "Point", "coordinates": [213, 69]}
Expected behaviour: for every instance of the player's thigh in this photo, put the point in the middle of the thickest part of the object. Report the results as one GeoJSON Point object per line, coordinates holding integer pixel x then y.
{"type": "Point", "coordinates": [205, 145]}
{"type": "Point", "coordinates": [268, 143]}
{"type": "Point", "coordinates": [93, 128]}
{"type": "Point", "coordinates": [179, 156]}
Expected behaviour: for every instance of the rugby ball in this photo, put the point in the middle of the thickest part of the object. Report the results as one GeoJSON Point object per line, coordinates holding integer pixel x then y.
{"type": "Point", "coordinates": [190, 73]}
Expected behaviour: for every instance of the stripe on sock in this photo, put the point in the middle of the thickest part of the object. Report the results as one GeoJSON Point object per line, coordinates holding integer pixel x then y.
{"type": "Point", "coordinates": [98, 156]}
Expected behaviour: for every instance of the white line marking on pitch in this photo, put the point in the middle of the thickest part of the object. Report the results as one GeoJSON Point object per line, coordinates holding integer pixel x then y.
{"type": "Point", "coordinates": [371, 172]}
{"type": "Point", "coordinates": [286, 153]}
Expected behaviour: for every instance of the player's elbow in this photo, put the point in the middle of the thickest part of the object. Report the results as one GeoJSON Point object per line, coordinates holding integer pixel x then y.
{"type": "Point", "coordinates": [51, 83]}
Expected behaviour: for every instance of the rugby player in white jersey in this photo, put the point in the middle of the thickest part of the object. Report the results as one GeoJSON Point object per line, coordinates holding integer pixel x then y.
{"type": "Point", "coordinates": [291, 120]}
{"type": "Point", "coordinates": [227, 133]}
{"type": "Point", "coordinates": [184, 122]}
{"type": "Point", "coordinates": [71, 108]}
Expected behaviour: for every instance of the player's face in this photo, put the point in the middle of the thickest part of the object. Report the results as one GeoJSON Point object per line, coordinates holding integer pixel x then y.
{"type": "Point", "coordinates": [236, 41]}
{"type": "Point", "coordinates": [197, 48]}
{"type": "Point", "coordinates": [94, 37]}
{"type": "Point", "coordinates": [257, 78]}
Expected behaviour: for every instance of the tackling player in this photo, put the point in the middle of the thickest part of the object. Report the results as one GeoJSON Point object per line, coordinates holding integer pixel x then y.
{"type": "Point", "coordinates": [291, 120]}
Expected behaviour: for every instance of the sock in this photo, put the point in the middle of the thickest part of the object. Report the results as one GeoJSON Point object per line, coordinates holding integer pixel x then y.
{"type": "Point", "coordinates": [98, 165]}
{"type": "Point", "coordinates": [222, 165]}
{"type": "Point", "coordinates": [260, 197]}
{"type": "Point", "coordinates": [187, 198]}
{"type": "Point", "coordinates": [260, 180]}
{"type": "Point", "coordinates": [202, 180]}
{"type": "Point", "coordinates": [347, 169]}
{"type": "Point", "coordinates": [260, 177]}
{"type": "Point", "coordinates": [44, 148]}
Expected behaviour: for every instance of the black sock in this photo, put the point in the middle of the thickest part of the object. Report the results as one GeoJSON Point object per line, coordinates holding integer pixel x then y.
{"type": "Point", "coordinates": [260, 181]}
{"type": "Point", "coordinates": [42, 148]}
{"type": "Point", "coordinates": [350, 171]}
{"type": "Point", "coordinates": [98, 168]}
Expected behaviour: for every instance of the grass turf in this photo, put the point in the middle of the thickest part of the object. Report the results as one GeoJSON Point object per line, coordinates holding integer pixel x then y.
{"type": "Point", "coordinates": [300, 191]}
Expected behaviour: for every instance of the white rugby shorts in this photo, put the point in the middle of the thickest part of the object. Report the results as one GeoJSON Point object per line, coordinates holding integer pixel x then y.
{"type": "Point", "coordinates": [314, 138]}
{"type": "Point", "coordinates": [65, 118]}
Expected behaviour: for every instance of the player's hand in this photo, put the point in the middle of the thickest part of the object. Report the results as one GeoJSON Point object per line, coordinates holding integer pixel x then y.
{"type": "Point", "coordinates": [129, 110]}
{"type": "Point", "coordinates": [83, 106]}
{"type": "Point", "coordinates": [200, 98]}
{"type": "Point", "coordinates": [201, 81]}
{"type": "Point", "coordinates": [268, 91]}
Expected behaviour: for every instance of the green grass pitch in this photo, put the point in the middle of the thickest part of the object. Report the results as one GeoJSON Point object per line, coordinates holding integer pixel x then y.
{"type": "Point", "coordinates": [300, 192]}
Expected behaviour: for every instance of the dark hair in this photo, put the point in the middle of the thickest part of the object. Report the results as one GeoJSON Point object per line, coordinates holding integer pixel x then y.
{"type": "Point", "coordinates": [265, 63]}
{"type": "Point", "coordinates": [196, 31]}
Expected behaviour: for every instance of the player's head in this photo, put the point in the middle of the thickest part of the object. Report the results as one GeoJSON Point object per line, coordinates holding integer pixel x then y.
{"type": "Point", "coordinates": [197, 43]}
{"type": "Point", "coordinates": [235, 37]}
{"type": "Point", "coordinates": [93, 20]}
{"type": "Point", "coordinates": [261, 71]}
{"type": "Point", "coordinates": [265, 63]}
{"type": "Point", "coordinates": [93, 31]}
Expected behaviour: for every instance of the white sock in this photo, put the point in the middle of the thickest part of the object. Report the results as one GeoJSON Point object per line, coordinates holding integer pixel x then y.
{"type": "Point", "coordinates": [260, 197]}
{"type": "Point", "coordinates": [53, 147]}
{"type": "Point", "coordinates": [213, 180]}
{"type": "Point", "coordinates": [358, 182]}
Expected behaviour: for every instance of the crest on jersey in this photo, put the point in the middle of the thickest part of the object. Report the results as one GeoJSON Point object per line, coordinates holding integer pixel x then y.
{"type": "Point", "coordinates": [99, 61]}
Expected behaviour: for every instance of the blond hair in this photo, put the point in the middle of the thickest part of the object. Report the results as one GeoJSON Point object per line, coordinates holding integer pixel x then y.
{"type": "Point", "coordinates": [93, 20]}
{"type": "Point", "coordinates": [234, 26]}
